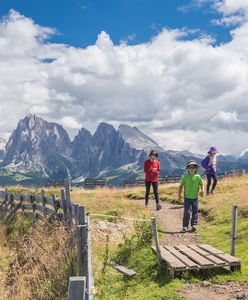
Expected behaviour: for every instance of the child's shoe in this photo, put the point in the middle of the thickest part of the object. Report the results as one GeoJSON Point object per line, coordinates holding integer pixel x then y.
{"type": "Point", "coordinates": [185, 229]}
{"type": "Point", "coordinates": [194, 228]}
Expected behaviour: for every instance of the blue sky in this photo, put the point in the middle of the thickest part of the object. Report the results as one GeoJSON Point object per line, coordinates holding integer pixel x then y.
{"type": "Point", "coordinates": [79, 22]}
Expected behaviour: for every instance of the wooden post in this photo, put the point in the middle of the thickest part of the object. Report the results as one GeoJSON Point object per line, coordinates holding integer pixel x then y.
{"type": "Point", "coordinates": [82, 249]}
{"type": "Point", "coordinates": [234, 229]}
{"type": "Point", "coordinates": [62, 192]}
{"type": "Point", "coordinates": [81, 215]}
{"type": "Point", "coordinates": [43, 199]}
{"type": "Point", "coordinates": [12, 204]}
{"type": "Point", "coordinates": [75, 213]}
{"type": "Point", "coordinates": [76, 288]}
{"type": "Point", "coordinates": [90, 279]}
{"type": "Point", "coordinates": [156, 241]}
{"type": "Point", "coordinates": [21, 201]}
{"type": "Point", "coordinates": [68, 197]}
{"type": "Point", "coordinates": [32, 201]}
{"type": "Point", "coordinates": [55, 205]}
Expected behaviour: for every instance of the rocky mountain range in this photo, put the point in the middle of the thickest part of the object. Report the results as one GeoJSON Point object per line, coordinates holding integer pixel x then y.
{"type": "Point", "coordinates": [39, 150]}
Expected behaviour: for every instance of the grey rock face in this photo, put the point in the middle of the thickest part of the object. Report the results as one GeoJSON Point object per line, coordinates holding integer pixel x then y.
{"type": "Point", "coordinates": [37, 145]}
{"type": "Point", "coordinates": [40, 146]}
{"type": "Point", "coordinates": [81, 152]}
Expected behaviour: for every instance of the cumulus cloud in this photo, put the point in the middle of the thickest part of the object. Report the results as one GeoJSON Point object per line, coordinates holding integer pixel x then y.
{"type": "Point", "coordinates": [185, 93]}
{"type": "Point", "coordinates": [70, 122]}
{"type": "Point", "coordinates": [234, 12]}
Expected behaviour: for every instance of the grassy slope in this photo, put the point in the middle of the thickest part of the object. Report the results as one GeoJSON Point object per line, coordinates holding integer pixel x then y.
{"type": "Point", "coordinates": [151, 281]}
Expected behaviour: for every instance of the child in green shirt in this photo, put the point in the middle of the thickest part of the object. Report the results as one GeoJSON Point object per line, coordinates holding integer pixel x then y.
{"type": "Point", "coordinates": [192, 183]}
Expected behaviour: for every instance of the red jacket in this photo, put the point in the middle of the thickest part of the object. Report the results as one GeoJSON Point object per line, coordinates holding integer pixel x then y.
{"type": "Point", "coordinates": [148, 166]}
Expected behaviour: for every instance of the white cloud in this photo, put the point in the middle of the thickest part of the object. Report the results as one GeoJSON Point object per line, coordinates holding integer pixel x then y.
{"type": "Point", "coordinates": [70, 122]}
{"type": "Point", "coordinates": [186, 94]}
{"type": "Point", "coordinates": [234, 12]}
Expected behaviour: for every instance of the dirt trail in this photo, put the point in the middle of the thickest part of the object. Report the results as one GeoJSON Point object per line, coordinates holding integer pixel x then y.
{"type": "Point", "coordinates": [170, 219]}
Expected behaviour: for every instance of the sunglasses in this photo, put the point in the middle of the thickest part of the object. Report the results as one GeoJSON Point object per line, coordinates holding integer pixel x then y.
{"type": "Point", "coordinates": [191, 167]}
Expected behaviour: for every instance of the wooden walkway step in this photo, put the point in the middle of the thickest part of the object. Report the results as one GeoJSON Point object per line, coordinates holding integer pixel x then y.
{"type": "Point", "coordinates": [190, 257]}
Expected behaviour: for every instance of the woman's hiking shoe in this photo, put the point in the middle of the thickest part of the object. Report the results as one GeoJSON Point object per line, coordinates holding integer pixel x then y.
{"type": "Point", "coordinates": [194, 228]}
{"type": "Point", "coordinates": [185, 229]}
{"type": "Point", "coordinates": [158, 207]}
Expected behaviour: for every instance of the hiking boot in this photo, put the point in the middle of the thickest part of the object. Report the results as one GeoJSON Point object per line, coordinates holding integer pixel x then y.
{"type": "Point", "coordinates": [158, 207]}
{"type": "Point", "coordinates": [194, 228]}
{"type": "Point", "coordinates": [185, 229]}
{"type": "Point", "coordinates": [146, 206]}
{"type": "Point", "coordinates": [212, 192]}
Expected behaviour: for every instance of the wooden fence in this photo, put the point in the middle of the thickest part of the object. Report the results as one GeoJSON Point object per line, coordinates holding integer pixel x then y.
{"type": "Point", "coordinates": [92, 183]}
{"type": "Point", "coordinates": [161, 180]}
{"type": "Point", "coordinates": [43, 207]}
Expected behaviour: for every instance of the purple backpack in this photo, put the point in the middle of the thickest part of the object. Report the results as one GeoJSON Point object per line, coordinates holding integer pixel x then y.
{"type": "Point", "coordinates": [205, 161]}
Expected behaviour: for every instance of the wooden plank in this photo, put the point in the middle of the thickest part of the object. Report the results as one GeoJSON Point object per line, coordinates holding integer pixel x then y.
{"type": "Point", "coordinates": [188, 262]}
{"type": "Point", "coordinates": [40, 207]}
{"type": "Point", "coordinates": [231, 260]}
{"type": "Point", "coordinates": [171, 260]}
{"type": "Point", "coordinates": [28, 206]}
{"type": "Point", "coordinates": [49, 201]}
{"type": "Point", "coordinates": [201, 261]}
{"type": "Point", "coordinates": [123, 270]}
{"type": "Point", "coordinates": [10, 216]}
{"type": "Point", "coordinates": [208, 255]}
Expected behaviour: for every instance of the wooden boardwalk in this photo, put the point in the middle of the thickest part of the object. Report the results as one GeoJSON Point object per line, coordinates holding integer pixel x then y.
{"type": "Point", "coordinates": [182, 258]}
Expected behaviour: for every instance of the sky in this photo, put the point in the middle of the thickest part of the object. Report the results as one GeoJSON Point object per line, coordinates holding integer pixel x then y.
{"type": "Point", "coordinates": [176, 69]}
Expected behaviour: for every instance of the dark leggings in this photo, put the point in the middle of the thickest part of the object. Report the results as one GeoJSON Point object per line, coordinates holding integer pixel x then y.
{"type": "Point", "coordinates": [209, 179]}
{"type": "Point", "coordinates": [155, 191]}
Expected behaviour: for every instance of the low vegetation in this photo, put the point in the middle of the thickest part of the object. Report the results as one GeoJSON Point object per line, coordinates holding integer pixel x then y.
{"type": "Point", "coordinates": [42, 258]}
{"type": "Point", "coordinates": [129, 245]}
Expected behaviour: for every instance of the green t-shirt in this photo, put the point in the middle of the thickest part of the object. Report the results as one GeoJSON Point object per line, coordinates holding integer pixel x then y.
{"type": "Point", "coordinates": [191, 185]}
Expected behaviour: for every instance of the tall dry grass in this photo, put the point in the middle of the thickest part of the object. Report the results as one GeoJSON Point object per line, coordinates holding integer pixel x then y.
{"type": "Point", "coordinates": [43, 262]}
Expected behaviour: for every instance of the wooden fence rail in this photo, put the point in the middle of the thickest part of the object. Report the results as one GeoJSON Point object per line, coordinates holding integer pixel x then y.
{"type": "Point", "coordinates": [48, 208]}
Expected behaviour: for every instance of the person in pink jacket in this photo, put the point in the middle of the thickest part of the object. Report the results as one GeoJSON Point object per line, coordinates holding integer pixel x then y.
{"type": "Point", "coordinates": [152, 169]}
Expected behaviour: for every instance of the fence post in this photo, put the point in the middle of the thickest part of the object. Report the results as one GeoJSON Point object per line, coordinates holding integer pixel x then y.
{"type": "Point", "coordinates": [81, 215]}
{"type": "Point", "coordinates": [62, 192]}
{"type": "Point", "coordinates": [75, 213]}
{"type": "Point", "coordinates": [43, 199]}
{"type": "Point", "coordinates": [90, 279]}
{"type": "Point", "coordinates": [234, 229]}
{"type": "Point", "coordinates": [68, 197]}
{"type": "Point", "coordinates": [155, 236]}
{"type": "Point", "coordinates": [82, 249]}
{"type": "Point", "coordinates": [76, 288]}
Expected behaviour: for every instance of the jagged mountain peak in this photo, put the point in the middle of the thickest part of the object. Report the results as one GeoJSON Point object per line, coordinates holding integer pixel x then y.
{"type": "Point", "coordinates": [105, 128]}
{"type": "Point", "coordinates": [36, 144]}
{"type": "Point", "coordinates": [136, 138]}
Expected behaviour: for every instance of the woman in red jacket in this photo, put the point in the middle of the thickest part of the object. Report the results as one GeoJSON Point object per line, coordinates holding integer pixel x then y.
{"type": "Point", "coordinates": [152, 169]}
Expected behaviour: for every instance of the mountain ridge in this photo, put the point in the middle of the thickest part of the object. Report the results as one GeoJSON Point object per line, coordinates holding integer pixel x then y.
{"type": "Point", "coordinates": [44, 148]}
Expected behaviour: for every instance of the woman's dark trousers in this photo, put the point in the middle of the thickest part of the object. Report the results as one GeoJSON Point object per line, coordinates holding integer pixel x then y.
{"type": "Point", "coordinates": [209, 179]}
{"type": "Point", "coordinates": [155, 191]}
